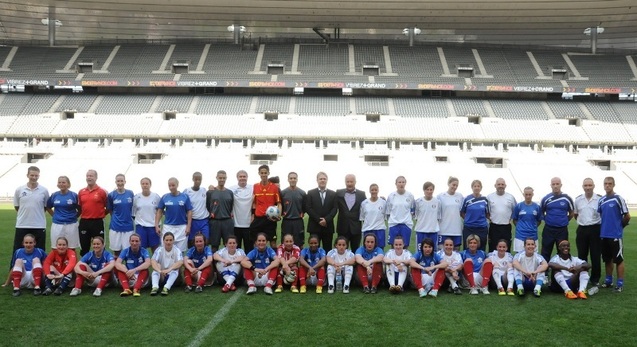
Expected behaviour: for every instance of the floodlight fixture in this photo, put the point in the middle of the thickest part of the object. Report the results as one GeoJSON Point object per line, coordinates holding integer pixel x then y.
{"type": "Point", "coordinates": [588, 31]}
{"type": "Point", "coordinates": [45, 21]}
{"type": "Point", "coordinates": [242, 29]}
{"type": "Point", "coordinates": [417, 31]}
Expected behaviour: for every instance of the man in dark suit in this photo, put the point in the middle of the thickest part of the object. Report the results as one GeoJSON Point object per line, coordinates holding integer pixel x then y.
{"type": "Point", "coordinates": [348, 203]}
{"type": "Point", "coordinates": [320, 205]}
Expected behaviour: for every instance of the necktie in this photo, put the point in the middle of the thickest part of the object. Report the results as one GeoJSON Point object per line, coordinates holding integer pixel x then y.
{"type": "Point", "coordinates": [322, 197]}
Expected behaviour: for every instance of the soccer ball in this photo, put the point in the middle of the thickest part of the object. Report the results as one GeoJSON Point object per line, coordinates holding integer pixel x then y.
{"type": "Point", "coordinates": [272, 212]}
{"type": "Point", "coordinates": [289, 278]}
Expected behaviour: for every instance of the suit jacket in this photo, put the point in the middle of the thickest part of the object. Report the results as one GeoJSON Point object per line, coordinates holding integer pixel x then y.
{"type": "Point", "coordinates": [317, 210]}
{"type": "Point", "coordinates": [348, 222]}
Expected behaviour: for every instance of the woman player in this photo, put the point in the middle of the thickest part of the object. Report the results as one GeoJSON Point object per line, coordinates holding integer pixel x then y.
{"type": "Point", "coordinates": [502, 268]}
{"type": "Point", "coordinates": [58, 267]}
{"type": "Point", "coordinates": [228, 263]}
{"type": "Point", "coordinates": [288, 254]}
{"type": "Point", "coordinates": [131, 267]}
{"type": "Point", "coordinates": [312, 266]}
{"type": "Point", "coordinates": [477, 267]}
{"type": "Point", "coordinates": [369, 258]}
{"type": "Point", "coordinates": [94, 267]}
{"type": "Point", "coordinates": [373, 216]}
{"type": "Point", "coordinates": [570, 273]}
{"type": "Point", "coordinates": [340, 260]}
{"type": "Point", "coordinates": [454, 265]}
{"type": "Point", "coordinates": [450, 220]}
{"type": "Point", "coordinates": [427, 269]}
{"type": "Point", "coordinates": [197, 264]}
{"type": "Point", "coordinates": [166, 262]}
{"type": "Point", "coordinates": [260, 266]}
{"type": "Point", "coordinates": [27, 266]}
{"type": "Point", "coordinates": [64, 208]}
{"type": "Point", "coordinates": [529, 269]}
{"type": "Point", "coordinates": [475, 212]}
{"type": "Point", "coordinates": [144, 210]}
{"type": "Point", "coordinates": [397, 260]}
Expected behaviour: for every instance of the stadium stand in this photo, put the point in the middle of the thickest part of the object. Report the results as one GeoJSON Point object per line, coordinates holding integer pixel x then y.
{"type": "Point", "coordinates": [318, 59]}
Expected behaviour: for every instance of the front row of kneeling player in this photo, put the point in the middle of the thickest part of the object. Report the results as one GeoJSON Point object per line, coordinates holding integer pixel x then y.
{"type": "Point", "coordinates": [290, 265]}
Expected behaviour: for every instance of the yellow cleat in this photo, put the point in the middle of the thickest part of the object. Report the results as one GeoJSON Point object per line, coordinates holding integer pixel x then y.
{"type": "Point", "coordinates": [278, 289]}
{"type": "Point", "coordinates": [293, 289]}
{"type": "Point", "coordinates": [303, 289]}
{"type": "Point", "coordinates": [319, 290]}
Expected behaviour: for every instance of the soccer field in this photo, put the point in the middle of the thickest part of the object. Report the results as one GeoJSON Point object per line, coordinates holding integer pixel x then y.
{"type": "Point", "coordinates": [235, 319]}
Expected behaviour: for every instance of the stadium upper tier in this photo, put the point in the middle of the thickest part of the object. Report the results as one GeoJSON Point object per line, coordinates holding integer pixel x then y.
{"type": "Point", "coordinates": [393, 66]}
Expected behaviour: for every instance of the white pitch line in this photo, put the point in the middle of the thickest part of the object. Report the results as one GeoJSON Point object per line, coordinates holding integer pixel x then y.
{"type": "Point", "coordinates": [216, 319]}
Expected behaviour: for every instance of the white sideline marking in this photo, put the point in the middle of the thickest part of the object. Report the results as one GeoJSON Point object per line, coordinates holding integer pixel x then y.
{"type": "Point", "coordinates": [216, 319]}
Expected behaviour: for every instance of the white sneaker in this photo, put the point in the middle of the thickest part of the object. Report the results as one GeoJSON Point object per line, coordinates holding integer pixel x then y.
{"type": "Point", "coordinates": [251, 290]}
{"type": "Point", "coordinates": [485, 290]}
{"type": "Point", "coordinates": [345, 289]}
{"type": "Point", "coordinates": [75, 292]}
{"type": "Point", "coordinates": [97, 292]}
{"type": "Point", "coordinates": [268, 290]}
{"type": "Point", "coordinates": [593, 290]}
{"type": "Point", "coordinates": [474, 291]}
{"type": "Point", "coordinates": [422, 292]}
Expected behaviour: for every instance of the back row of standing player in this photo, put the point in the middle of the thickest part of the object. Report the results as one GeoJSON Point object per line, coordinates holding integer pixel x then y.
{"type": "Point", "coordinates": [220, 212]}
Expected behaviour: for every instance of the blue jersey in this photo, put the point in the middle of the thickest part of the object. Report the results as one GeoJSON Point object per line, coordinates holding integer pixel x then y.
{"type": "Point", "coordinates": [65, 207]}
{"type": "Point", "coordinates": [261, 260]}
{"type": "Point", "coordinates": [478, 258]}
{"type": "Point", "coordinates": [199, 258]}
{"type": "Point", "coordinates": [120, 206]}
{"type": "Point", "coordinates": [427, 261]}
{"type": "Point", "coordinates": [556, 209]}
{"type": "Point", "coordinates": [27, 258]}
{"type": "Point", "coordinates": [176, 207]}
{"type": "Point", "coordinates": [367, 255]}
{"type": "Point", "coordinates": [475, 210]}
{"type": "Point", "coordinates": [612, 210]}
{"type": "Point", "coordinates": [312, 258]}
{"type": "Point", "coordinates": [134, 259]}
{"type": "Point", "coordinates": [97, 263]}
{"type": "Point", "coordinates": [527, 218]}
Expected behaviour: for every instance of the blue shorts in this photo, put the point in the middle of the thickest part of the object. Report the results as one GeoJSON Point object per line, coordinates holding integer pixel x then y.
{"type": "Point", "coordinates": [421, 236]}
{"type": "Point", "coordinates": [457, 240]}
{"type": "Point", "coordinates": [149, 237]}
{"type": "Point", "coordinates": [402, 230]}
{"type": "Point", "coordinates": [199, 225]}
{"type": "Point", "coordinates": [380, 237]}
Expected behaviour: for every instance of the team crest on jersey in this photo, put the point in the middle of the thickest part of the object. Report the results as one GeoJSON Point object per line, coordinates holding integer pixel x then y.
{"type": "Point", "coordinates": [68, 201]}
{"type": "Point", "coordinates": [611, 205]}
{"type": "Point", "coordinates": [23, 194]}
{"type": "Point", "coordinates": [562, 203]}
{"type": "Point", "coordinates": [129, 200]}
{"type": "Point", "coordinates": [480, 260]}
{"type": "Point", "coordinates": [182, 203]}
{"type": "Point", "coordinates": [433, 206]}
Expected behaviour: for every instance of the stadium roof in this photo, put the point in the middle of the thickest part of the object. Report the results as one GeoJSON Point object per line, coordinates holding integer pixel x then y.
{"type": "Point", "coordinates": [525, 22]}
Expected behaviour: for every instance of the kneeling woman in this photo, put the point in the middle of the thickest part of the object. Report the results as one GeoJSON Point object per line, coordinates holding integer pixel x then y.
{"type": "Point", "coordinates": [58, 267]}
{"type": "Point", "coordinates": [340, 261]}
{"type": "Point", "coordinates": [571, 273]}
{"type": "Point", "coordinates": [95, 267]}
{"type": "Point", "coordinates": [477, 266]}
{"type": "Point", "coordinates": [166, 262]}
{"type": "Point", "coordinates": [529, 269]}
{"type": "Point", "coordinates": [132, 266]}
{"type": "Point", "coordinates": [228, 263]}
{"type": "Point", "coordinates": [27, 266]}
{"type": "Point", "coordinates": [369, 258]}
{"type": "Point", "coordinates": [197, 264]}
{"type": "Point", "coordinates": [288, 254]}
{"type": "Point", "coordinates": [312, 266]}
{"type": "Point", "coordinates": [260, 266]}
{"type": "Point", "coordinates": [427, 269]}
{"type": "Point", "coordinates": [397, 260]}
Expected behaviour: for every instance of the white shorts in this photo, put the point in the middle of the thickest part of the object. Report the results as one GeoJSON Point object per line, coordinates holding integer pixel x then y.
{"type": "Point", "coordinates": [69, 231]}
{"type": "Point", "coordinates": [518, 245]}
{"type": "Point", "coordinates": [261, 281]}
{"type": "Point", "coordinates": [232, 268]}
{"type": "Point", "coordinates": [181, 240]}
{"type": "Point", "coordinates": [131, 282]}
{"type": "Point", "coordinates": [94, 282]}
{"type": "Point", "coordinates": [27, 280]}
{"type": "Point", "coordinates": [118, 240]}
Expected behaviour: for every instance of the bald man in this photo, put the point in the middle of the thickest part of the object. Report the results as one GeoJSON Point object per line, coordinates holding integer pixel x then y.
{"type": "Point", "coordinates": [588, 228]}
{"type": "Point", "coordinates": [557, 209]}
{"type": "Point", "coordinates": [501, 205]}
{"type": "Point", "coordinates": [348, 203]}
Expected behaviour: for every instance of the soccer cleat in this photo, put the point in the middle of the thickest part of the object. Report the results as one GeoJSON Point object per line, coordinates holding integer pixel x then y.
{"type": "Point", "coordinates": [457, 291]}
{"type": "Point", "coordinates": [251, 290]}
{"type": "Point", "coordinates": [97, 292]}
{"type": "Point", "coordinates": [187, 289]}
{"type": "Point", "coordinates": [501, 292]}
{"type": "Point", "coordinates": [233, 288]}
{"type": "Point", "coordinates": [485, 290]}
{"type": "Point", "coordinates": [126, 292]}
{"type": "Point", "coordinates": [521, 291]}
{"type": "Point", "coordinates": [330, 289]}
{"type": "Point", "coordinates": [278, 289]}
{"type": "Point", "coordinates": [510, 292]}
{"type": "Point", "coordinates": [374, 290]}
{"type": "Point", "coordinates": [319, 289]}
{"type": "Point", "coordinates": [76, 292]}
{"type": "Point", "coordinates": [582, 295]}
{"type": "Point", "coordinates": [537, 293]}
{"type": "Point", "coordinates": [607, 285]}
{"type": "Point", "coordinates": [16, 292]}
{"type": "Point", "coordinates": [47, 292]}
{"type": "Point", "coordinates": [225, 288]}
{"type": "Point", "coordinates": [58, 291]}
{"type": "Point", "coordinates": [433, 293]}
{"type": "Point", "coordinates": [474, 291]}
{"type": "Point", "coordinates": [295, 290]}
{"type": "Point", "coordinates": [366, 290]}
{"type": "Point", "coordinates": [619, 289]}
{"type": "Point", "coordinates": [593, 290]}
{"type": "Point", "coordinates": [154, 291]}
{"type": "Point", "coordinates": [570, 295]}
{"type": "Point", "coordinates": [303, 289]}
{"type": "Point", "coordinates": [164, 291]}
{"type": "Point", "coordinates": [268, 290]}
{"type": "Point", "coordinates": [136, 293]}
{"type": "Point", "coordinates": [345, 289]}
{"type": "Point", "coordinates": [198, 289]}
{"type": "Point", "coordinates": [422, 292]}
{"type": "Point", "coordinates": [37, 291]}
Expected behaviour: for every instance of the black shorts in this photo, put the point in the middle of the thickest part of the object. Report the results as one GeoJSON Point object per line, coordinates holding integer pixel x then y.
{"type": "Point", "coordinates": [613, 250]}
{"type": "Point", "coordinates": [263, 225]}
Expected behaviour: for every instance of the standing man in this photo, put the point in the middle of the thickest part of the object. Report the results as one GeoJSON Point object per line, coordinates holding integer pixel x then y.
{"type": "Point", "coordinates": [242, 211]}
{"type": "Point", "coordinates": [615, 216]}
{"type": "Point", "coordinates": [501, 205]}
{"type": "Point", "coordinates": [93, 200]}
{"type": "Point", "coordinates": [197, 197]}
{"type": "Point", "coordinates": [30, 206]}
{"type": "Point", "coordinates": [219, 203]}
{"type": "Point", "coordinates": [293, 200]}
{"type": "Point", "coordinates": [527, 217]}
{"type": "Point", "coordinates": [557, 209]}
{"type": "Point", "coordinates": [320, 205]}
{"type": "Point", "coordinates": [178, 211]}
{"type": "Point", "coordinates": [265, 194]}
{"type": "Point", "coordinates": [588, 228]}
{"type": "Point", "coordinates": [120, 205]}
{"type": "Point", "coordinates": [348, 203]}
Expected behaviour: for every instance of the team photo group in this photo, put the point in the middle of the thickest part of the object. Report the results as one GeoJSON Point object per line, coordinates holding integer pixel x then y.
{"type": "Point", "coordinates": [228, 235]}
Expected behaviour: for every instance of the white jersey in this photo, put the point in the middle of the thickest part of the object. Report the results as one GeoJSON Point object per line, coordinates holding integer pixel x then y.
{"type": "Point", "coordinates": [501, 207]}
{"type": "Point", "coordinates": [427, 215]}
{"type": "Point", "coordinates": [223, 253]}
{"type": "Point", "coordinates": [31, 204]}
{"type": "Point", "coordinates": [198, 201]}
{"type": "Point", "coordinates": [503, 263]}
{"type": "Point", "coordinates": [373, 214]}
{"type": "Point", "coordinates": [531, 263]}
{"type": "Point", "coordinates": [454, 260]}
{"type": "Point", "coordinates": [340, 258]}
{"type": "Point", "coordinates": [400, 209]}
{"type": "Point", "coordinates": [144, 209]}
{"type": "Point", "coordinates": [165, 258]}
{"type": "Point", "coordinates": [567, 263]}
{"type": "Point", "coordinates": [242, 208]}
{"type": "Point", "coordinates": [391, 254]}
{"type": "Point", "coordinates": [586, 210]}
{"type": "Point", "coordinates": [450, 221]}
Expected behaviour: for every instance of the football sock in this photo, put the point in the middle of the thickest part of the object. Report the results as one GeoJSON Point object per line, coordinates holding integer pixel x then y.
{"type": "Point", "coordinates": [439, 277]}
{"type": "Point", "coordinates": [487, 269]}
{"type": "Point", "coordinates": [37, 274]}
{"type": "Point", "coordinates": [17, 278]}
{"type": "Point", "coordinates": [620, 282]}
{"type": "Point", "coordinates": [468, 273]}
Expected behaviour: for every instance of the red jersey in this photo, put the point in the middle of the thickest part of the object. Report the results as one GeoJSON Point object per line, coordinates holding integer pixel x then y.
{"type": "Point", "coordinates": [64, 263]}
{"type": "Point", "coordinates": [264, 197]}
{"type": "Point", "coordinates": [281, 252]}
{"type": "Point", "coordinates": [92, 202]}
